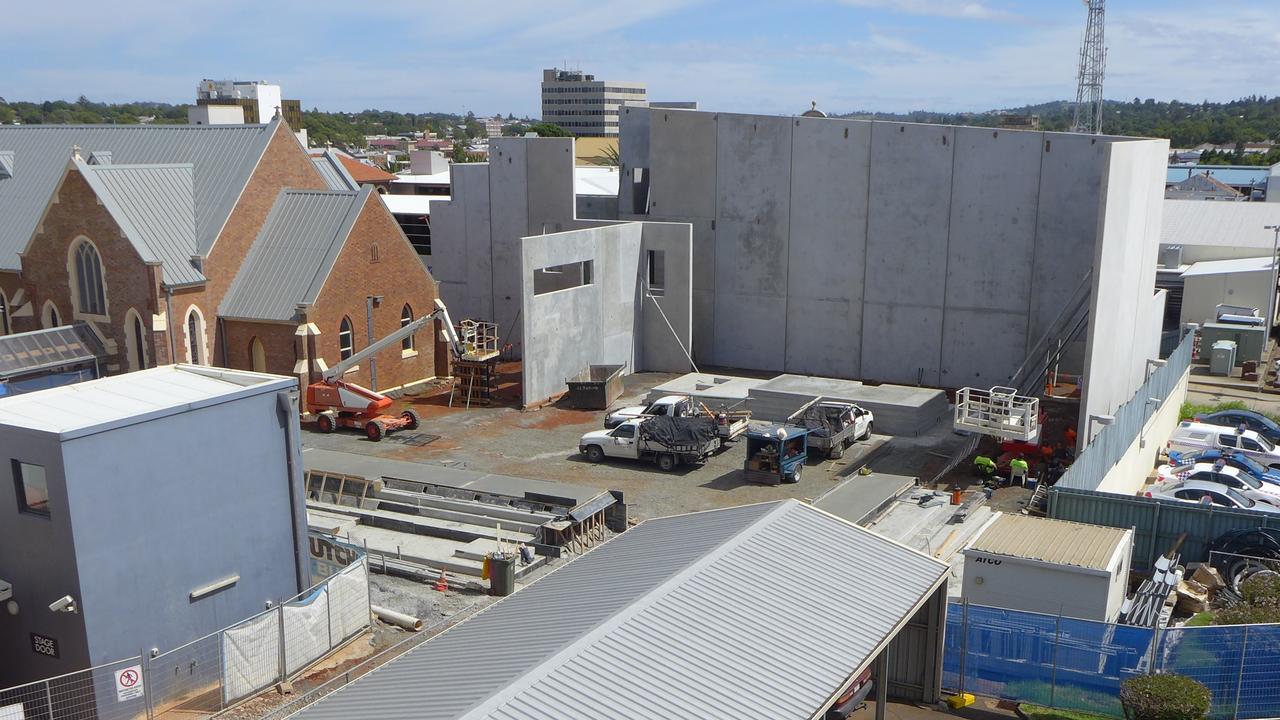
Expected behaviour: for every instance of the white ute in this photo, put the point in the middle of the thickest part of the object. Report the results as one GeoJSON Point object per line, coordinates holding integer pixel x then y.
{"type": "Point", "coordinates": [673, 405]}
{"type": "Point", "coordinates": [628, 442]}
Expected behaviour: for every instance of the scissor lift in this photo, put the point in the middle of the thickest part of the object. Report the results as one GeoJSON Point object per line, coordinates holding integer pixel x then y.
{"type": "Point", "coordinates": [999, 412]}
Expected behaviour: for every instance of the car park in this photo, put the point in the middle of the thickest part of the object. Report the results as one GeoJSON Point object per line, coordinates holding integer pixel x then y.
{"type": "Point", "coordinates": [1232, 459]}
{"type": "Point", "coordinates": [1248, 419]}
{"type": "Point", "coordinates": [1222, 474]}
{"type": "Point", "coordinates": [1205, 493]}
{"type": "Point", "coordinates": [1193, 436]}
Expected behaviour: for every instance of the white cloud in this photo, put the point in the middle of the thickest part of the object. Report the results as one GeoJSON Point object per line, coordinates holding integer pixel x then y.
{"type": "Point", "coordinates": [939, 8]}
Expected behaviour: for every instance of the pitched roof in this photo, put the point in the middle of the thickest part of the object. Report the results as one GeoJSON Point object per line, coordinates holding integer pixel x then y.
{"type": "Point", "coordinates": [293, 254]}
{"type": "Point", "coordinates": [222, 159]}
{"type": "Point", "coordinates": [335, 174]}
{"type": "Point", "coordinates": [154, 206]}
{"type": "Point", "coordinates": [770, 607]}
{"type": "Point", "coordinates": [30, 352]}
{"type": "Point", "coordinates": [1205, 183]}
{"type": "Point", "coordinates": [364, 173]}
{"type": "Point", "coordinates": [1052, 541]}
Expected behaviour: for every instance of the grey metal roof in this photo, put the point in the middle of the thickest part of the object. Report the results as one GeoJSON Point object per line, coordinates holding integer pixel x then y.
{"type": "Point", "coordinates": [761, 611]}
{"type": "Point", "coordinates": [153, 205]}
{"type": "Point", "coordinates": [31, 352]}
{"type": "Point", "coordinates": [1222, 223]}
{"type": "Point", "coordinates": [223, 157]}
{"type": "Point", "coordinates": [293, 254]}
{"type": "Point", "coordinates": [331, 168]}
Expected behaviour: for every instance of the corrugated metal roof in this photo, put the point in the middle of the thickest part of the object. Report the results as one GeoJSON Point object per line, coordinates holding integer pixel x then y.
{"type": "Point", "coordinates": [89, 407]}
{"type": "Point", "coordinates": [223, 157]}
{"type": "Point", "coordinates": [333, 172]}
{"type": "Point", "coordinates": [31, 352]}
{"type": "Point", "coordinates": [760, 611]}
{"type": "Point", "coordinates": [1051, 541]}
{"type": "Point", "coordinates": [1238, 175]}
{"type": "Point", "coordinates": [1222, 267]}
{"type": "Point", "coordinates": [293, 254]}
{"type": "Point", "coordinates": [1220, 223]}
{"type": "Point", "coordinates": [154, 207]}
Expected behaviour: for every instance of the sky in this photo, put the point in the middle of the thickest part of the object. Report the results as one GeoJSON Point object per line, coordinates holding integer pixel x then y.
{"type": "Point", "coordinates": [728, 55]}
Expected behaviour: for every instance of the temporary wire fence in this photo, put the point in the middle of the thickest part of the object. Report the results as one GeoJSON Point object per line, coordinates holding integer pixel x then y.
{"type": "Point", "coordinates": [1074, 664]}
{"type": "Point", "coordinates": [210, 674]}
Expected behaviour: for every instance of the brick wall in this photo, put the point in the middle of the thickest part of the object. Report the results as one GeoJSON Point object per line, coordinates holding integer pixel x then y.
{"type": "Point", "coordinates": [399, 277]}
{"type": "Point", "coordinates": [277, 342]}
{"type": "Point", "coordinates": [284, 164]}
{"type": "Point", "coordinates": [129, 282]}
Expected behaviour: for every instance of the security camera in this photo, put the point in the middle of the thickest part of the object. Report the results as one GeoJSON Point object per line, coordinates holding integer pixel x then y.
{"type": "Point", "coordinates": [66, 603]}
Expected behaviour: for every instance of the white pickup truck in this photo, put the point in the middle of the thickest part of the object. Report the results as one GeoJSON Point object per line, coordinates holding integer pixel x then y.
{"type": "Point", "coordinates": [729, 425]}
{"type": "Point", "coordinates": [631, 441]}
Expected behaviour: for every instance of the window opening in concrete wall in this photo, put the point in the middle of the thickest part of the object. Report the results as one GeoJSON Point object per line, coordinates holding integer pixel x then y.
{"type": "Point", "coordinates": [32, 487]}
{"type": "Point", "coordinates": [257, 355]}
{"type": "Point", "coordinates": [346, 339]}
{"type": "Point", "coordinates": [561, 277]}
{"type": "Point", "coordinates": [640, 191]}
{"type": "Point", "coordinates": [406, 317]}
{"type": "Point", "coordinates": [657, 272]}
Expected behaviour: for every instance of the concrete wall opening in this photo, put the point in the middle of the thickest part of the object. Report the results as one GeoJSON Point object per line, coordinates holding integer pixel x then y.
{"type": "Point", "coordinates": [561, 277]}
{"type": "Point", "coordinates": [656, 272]}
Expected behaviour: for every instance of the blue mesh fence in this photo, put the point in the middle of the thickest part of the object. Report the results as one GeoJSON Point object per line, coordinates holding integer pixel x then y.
{"type": "Point", "coordinates": [1076, 664]}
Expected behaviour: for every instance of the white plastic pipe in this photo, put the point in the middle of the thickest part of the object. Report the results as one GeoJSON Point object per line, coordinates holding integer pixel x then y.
{"type": "Point", "coordinates": [408, 622]}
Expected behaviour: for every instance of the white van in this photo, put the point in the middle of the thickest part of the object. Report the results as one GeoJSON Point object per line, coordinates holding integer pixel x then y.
{"type": "Point", "coordinates": [1194, 436]}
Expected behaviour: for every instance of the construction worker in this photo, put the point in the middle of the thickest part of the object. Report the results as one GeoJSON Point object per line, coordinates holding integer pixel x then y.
{"type": "Point", "coordinates": [984, 466]}
{"type": "Point", "coordinates": [1018, 471]}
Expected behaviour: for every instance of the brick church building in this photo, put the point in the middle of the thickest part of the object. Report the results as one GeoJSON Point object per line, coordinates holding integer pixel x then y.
{"type": "Point", "coordinates": [218, 245]}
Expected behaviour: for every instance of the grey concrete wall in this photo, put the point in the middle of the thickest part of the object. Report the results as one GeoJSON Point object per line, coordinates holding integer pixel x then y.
{"type": "Point", "coordinates": [461, 253]}
{"type": "Point", "coordinates": [609, 321]}
{"type": "Point", "coordinates": [597, 207]}
{"type": "Point", "coordinates": [666, 322]}
{"type": "Point", "coordinates": [37, 555]}
{"type": "Point", "coordinates": [1125, 307]}
{"type": "Point", "coordinates": [886, 251]}
{"type": "Point", "coordinates": [161, 508]}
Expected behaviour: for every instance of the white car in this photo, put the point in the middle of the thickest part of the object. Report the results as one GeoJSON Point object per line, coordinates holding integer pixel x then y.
{"type": "Point", "coordinates": [1193, 436]}
{"type": "Point", "coordinates": [673, 405]}
{"type": "Point", "coordinates": [1221, 474]}
{"type": "Point", "coordinates": [1207, 493]}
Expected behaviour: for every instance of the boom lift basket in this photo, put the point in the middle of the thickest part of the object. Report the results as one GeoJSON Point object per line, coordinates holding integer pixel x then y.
{"type": "Point", "coordinates": [999, 412]}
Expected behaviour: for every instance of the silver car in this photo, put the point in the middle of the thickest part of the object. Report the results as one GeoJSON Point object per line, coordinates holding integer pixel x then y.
{"type": "Point", "coordinates": [1207, 493]}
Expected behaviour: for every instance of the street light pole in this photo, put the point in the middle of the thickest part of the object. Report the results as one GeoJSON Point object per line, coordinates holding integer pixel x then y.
{"type": "Point", "coordinates": [1275, 280]}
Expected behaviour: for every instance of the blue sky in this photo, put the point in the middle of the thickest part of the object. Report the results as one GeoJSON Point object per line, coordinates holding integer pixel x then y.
{"type": "Point", "coordinates": [735, 55]}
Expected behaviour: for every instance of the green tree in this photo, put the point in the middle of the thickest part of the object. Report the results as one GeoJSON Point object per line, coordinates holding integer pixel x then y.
{"type": "Point", "coordinates": [546, 129]}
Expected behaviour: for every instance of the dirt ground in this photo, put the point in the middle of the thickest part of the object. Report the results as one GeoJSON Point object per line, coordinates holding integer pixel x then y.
{"type": "Point", "coordinates": [543, 444]}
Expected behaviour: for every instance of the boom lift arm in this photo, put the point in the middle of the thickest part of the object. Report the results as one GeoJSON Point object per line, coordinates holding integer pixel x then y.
{"type": "Point", "coordinates": [332, 374]}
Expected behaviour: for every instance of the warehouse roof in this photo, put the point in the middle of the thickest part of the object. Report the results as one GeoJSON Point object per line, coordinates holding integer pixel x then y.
{"type": "Point", "coordinates": [1233, 224]}
{"type": "Point", "coordinates": [154, 207]}
{"type": "Point", "coordinates": [1052, 541]}
{"type": "Point", "coordinates": [222, 157]}
{"type": "Point", "coordinates": [89, 407]}
{"type": "Point", "coordinates": [1225, 267]}
{"type": "Point", "coordinates": [293, 254]}
{"type": "Point", "coordinates": [771, 607]}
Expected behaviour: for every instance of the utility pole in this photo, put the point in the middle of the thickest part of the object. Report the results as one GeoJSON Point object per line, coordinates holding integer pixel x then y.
{"type": "Point", "coordinates": [1087, 117]}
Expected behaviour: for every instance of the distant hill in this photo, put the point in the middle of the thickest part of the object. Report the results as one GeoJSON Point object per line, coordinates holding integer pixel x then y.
{"type": "Point", "coordinates": [1250, 119]}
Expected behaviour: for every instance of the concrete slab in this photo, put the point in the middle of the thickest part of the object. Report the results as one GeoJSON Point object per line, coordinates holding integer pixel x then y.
{"type": "Point", "coordinates": [861, 498]}
{"type": "Point", "coordinates": [714, 390]}
{"type": "Point", "coordinates": [898, 409]}
{"type": "Point", "coordinates": [375, 468]}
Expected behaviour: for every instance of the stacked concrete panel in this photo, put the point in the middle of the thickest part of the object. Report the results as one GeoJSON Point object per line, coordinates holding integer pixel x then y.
{"type": "Point", "coordinates": [898, 410]}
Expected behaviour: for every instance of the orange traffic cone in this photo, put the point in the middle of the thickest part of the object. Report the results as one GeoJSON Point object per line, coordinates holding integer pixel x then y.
{"type": "Point", "coordinates": [442, 584]}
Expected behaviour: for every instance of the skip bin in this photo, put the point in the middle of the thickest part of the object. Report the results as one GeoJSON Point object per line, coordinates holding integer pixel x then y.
{"type": "Point", "coordinates": [596, 387]}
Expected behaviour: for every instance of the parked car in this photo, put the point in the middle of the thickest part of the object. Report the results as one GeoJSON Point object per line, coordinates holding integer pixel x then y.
{"type": "Point", "coordinates": [1206, 493]}
{"type": "Point", "coordinates": [1193, 436]}
{"type": "Point", "coordinates": [673, 405]}
{"type": "Point", "coordinates": [836, 426]}
{"type": "Point", "coordinates": [1232, 459]}
{"type": "Point", "coordinates": [1250, 420]}
{"type": "Point", "coordinates": [665, 441]}
{"type": "Point", "coordinates": [1222, 474]}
